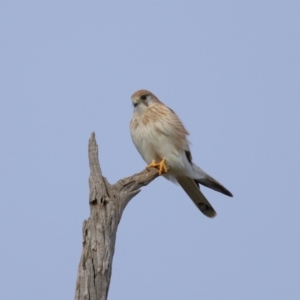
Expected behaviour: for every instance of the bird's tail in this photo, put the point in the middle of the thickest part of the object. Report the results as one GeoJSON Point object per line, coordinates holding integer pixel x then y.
{"type": "Point", "coordinates": [190, 187]}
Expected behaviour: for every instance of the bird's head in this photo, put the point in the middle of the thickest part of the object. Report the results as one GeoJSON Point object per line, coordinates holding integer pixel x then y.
{"type": "Point", "coordinates": [143, 98]}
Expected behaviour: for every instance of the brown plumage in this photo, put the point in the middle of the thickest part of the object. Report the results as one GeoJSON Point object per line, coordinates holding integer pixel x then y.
{"type": "Point", "coordinates": [160, 136]}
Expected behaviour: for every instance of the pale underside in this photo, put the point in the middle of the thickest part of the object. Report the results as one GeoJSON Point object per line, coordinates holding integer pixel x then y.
{"type": "Point", "coordinates": [158, 133]}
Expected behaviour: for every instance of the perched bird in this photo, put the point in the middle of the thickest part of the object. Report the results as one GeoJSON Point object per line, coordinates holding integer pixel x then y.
{"type": "Point", "coordinates": [161, 139]}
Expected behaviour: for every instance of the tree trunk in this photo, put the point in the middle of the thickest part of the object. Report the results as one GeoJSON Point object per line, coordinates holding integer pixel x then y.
{"type": "Point", "coordinates": [107, 203]}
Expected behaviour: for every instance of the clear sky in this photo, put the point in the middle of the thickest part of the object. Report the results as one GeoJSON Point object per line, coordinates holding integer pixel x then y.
{"type": "Point", "coordinates": [229, 69]}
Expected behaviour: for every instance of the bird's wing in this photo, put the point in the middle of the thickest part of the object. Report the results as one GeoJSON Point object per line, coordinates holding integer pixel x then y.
{"type": "Point", "coordinates": [167, 123]}
{"type": "Point", "coordinates": [208, 181]}
{"type": "Point", "coordinates": [193, 191]}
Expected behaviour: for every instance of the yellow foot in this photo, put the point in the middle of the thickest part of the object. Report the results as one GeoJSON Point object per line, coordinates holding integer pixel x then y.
{"type": "Point", "coordinates": [162, 167]}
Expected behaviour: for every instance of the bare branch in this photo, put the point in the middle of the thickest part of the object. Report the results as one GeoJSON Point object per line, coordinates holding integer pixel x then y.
{"type": "Point", "coordinates": [107, 203]}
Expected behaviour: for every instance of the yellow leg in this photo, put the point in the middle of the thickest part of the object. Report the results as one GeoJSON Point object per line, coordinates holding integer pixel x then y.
{"type": "Point", "coordinates": [162, 167]}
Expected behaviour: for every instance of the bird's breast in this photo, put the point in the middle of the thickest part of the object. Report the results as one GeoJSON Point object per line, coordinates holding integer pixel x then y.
{"type": "Point", "coordinates": [152, 143]}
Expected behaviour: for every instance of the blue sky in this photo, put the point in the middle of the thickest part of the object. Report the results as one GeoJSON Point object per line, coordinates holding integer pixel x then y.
{"type": "Point", "coordinates": [229, 69]}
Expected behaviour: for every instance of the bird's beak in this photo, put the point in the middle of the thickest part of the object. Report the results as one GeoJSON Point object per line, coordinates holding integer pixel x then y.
{"type": "Point", "coordinates": [135, 101]}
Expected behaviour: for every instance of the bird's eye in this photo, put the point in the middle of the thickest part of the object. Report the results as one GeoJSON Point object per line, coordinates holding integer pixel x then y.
{"type": "Point", "coordinates": [144, 97]}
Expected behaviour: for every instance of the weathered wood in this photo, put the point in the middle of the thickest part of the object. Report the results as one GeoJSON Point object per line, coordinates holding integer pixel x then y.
{"type": "Point", "coordinates": [107, 203]}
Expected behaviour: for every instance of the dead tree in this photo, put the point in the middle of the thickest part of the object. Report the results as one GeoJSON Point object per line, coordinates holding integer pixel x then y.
{"type": "Point", "coordinates": [107, 203]}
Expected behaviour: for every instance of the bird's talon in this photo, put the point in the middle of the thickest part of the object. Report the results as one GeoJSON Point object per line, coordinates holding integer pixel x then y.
{"type": "Point", "coordinates": [162, 167]}
{"type": "Point", "coordinates": [153, 164]}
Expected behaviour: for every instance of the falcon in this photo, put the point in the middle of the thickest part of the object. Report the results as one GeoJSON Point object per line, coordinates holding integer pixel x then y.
{"type": "Point", "coordinates": [161, 139]}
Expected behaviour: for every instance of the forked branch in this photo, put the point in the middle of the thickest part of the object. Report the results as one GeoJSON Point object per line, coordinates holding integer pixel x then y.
{"type": "Point", "coordinates": [107, 203]}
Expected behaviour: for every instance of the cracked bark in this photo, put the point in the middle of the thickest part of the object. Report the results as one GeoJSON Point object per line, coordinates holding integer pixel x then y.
{"type": "Point", "coordinates": [107, 203]}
